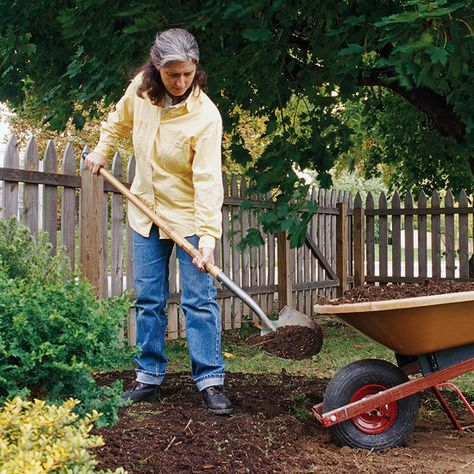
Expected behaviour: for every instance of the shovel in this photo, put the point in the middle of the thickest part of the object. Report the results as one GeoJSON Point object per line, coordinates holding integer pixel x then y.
{"type": "Point", "coordinates": [287, 316]}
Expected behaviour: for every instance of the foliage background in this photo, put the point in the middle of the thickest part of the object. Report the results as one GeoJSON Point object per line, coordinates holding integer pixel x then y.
{"type": "Point", "coordinates": [385, 87]}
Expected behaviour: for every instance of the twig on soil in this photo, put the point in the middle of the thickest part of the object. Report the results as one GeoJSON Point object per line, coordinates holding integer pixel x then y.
{"type": "Point", "coordinates": [173, 439]}
{"type": "Point", "coordinates": [468, 464]}
{"type": "Point", "coordinates": [187, 426]}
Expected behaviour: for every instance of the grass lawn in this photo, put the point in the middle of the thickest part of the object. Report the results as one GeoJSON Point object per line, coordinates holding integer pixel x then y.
{"type": "Point", "coordinates": [342, 345]}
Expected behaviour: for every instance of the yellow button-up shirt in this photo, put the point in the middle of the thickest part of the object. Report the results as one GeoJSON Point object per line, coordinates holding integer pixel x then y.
{"type": "Point", "coordinates": [178, 161]}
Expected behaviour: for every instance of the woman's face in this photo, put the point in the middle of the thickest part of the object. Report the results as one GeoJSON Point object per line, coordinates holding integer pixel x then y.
{"type": "Point", "coordinates": [178, 76]}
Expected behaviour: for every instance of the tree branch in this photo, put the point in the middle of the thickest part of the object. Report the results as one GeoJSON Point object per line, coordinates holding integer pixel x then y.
{"type": "Point", "coordinates": [432, 104]}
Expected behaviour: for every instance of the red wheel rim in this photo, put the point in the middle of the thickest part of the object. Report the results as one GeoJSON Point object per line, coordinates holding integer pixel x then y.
{"type": "Point", "coordinates": [379, 419]}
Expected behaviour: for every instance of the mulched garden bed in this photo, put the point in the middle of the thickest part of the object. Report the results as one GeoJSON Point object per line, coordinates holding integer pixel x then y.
{"type": "Point", "coordinates": [271, 431]}
{"type": "Point", "coordinates": [395, 291]}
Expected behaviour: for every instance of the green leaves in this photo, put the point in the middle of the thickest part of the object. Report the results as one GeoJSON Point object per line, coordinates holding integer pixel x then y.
{"type": "Point", "coordinates": [257, 34]}
{"type": "Point", "coordinates": [437, 55]}
{"type": "Point", "coordinates": [264, 57]}
{"type": "Point", "coordinates": [351, 49]}
{"type": "Point", "coordinates": [53, 331]}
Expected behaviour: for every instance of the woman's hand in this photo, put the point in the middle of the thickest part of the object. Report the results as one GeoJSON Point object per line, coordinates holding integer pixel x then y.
{"type": "Point", "coordinates": [207, 256]}
{"type": "Point", "coordinates": [94, 161]}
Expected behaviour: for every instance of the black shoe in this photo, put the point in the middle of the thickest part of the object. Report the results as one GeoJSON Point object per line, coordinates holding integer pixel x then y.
{"type": "Point", "coordinates": [142, 392]}
{"type": "Point", "coordinates": [216, 401]}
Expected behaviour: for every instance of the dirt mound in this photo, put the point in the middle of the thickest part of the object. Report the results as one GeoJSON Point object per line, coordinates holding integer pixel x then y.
{"type": "Point", "coordinates": [395, 291]}
{"type": "Point", "coordinates": [271, 431]}
{"type": "Point", "coordinates": [290, 342]}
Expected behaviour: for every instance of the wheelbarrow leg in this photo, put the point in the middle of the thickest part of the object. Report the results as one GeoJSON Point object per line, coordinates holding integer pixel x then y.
{"type": "Point", "coordinates": [448, 410]}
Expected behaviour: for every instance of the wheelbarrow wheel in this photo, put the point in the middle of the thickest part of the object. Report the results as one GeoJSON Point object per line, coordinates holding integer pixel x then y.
{"type": "Point", "coordinates": [382, 428]}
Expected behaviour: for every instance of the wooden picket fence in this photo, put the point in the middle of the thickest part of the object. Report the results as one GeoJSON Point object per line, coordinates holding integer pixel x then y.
{"type": "Point", "coordinates": [407, 243]}
{"type": "Point", "coordinates": [347, 243]}
{"type": "Point", "coordinates": [88, 217]}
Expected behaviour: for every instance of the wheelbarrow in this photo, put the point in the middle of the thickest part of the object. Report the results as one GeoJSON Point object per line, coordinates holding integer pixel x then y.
{"type": "Point", "coordinates": [372, 403]}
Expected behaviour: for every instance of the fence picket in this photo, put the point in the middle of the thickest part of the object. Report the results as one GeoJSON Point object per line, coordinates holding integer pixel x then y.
{"type": "Point", "coordinates": [245, 268]}
{"type": "Point", "coordinates": [69, 207]}
{"type": "Point", "coordinates": [271, 252]}
{"type": "Point", "coordinates": [435, 237]}
{"type": "Point", "coordinates": [226, 255]}
{"type": "Point", "coordinates": [396, 237]}
{"type": "Point", "coordinates": [449, 225]}
{"type": "Point", "coordinates": [31, 194]}
{"type": "Point", "coordinates": [50, 196]}
{"type": "Point", "coordinates": [359, 242]}
{"type": "Point", "coordinates": [370, 241]}
{"type": "Point", "coordinates": [131, 320]}
{"type": "Point", "coordinates": [117, 217]}
{"type": "Point", "coordinates": [172, 307]}
{"type": "Point", "coordinates": [331, 200]}
{"type": "Point", "coordinates": [307, 308]}
{"type": "Point", "coordinates": [10, 188]}
{"type": "Point", "coordinates": [422, 237]}
{"type": "Point", "coordinates": [313, 262]}
{"type": "Point", "coordinates": [253, 261]}
{"type": "Point", "coordinates": [236, 226]}
{"type": "Point", "coordinates": [409, 240]}
{"type": "Point", "coordinates": [383, 237]}
{"type": "Point", "coordinates": [463, 237]}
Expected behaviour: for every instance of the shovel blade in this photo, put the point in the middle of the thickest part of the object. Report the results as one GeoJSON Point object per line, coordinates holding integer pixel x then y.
{"type": "Point", "coordinates": [290, 317]}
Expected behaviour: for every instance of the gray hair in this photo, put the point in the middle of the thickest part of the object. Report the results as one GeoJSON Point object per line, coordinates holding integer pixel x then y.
{"type": "Point", "coordinates": [172, 45]}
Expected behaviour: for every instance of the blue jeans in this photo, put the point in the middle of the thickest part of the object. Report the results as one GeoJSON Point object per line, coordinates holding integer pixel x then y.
{"type": "Point", "coordinates": [198, 301]}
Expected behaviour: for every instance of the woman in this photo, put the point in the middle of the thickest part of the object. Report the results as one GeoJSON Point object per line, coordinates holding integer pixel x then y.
{"type": "Point", "coordinates": [177, 134]}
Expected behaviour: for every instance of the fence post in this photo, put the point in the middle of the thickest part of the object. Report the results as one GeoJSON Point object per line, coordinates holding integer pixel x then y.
{"type": "Point", "coordinates": [359, 262]}
{"type": "Point", "coordinates": [91, 236]}
{"type": "Point", "coordinates": [342, 246]}
{"type": "Point", "coordinates": [285, 283]}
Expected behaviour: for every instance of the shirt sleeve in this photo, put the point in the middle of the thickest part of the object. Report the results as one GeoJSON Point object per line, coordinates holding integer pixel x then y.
{"type": "Point", "coordinates": [208, 188]}
{"type": "Point", "coordinates": [119, 123]}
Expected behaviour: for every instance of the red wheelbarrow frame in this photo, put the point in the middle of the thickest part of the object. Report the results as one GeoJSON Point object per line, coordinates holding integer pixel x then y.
{"type": "Point", "coordinates": [392, 394]}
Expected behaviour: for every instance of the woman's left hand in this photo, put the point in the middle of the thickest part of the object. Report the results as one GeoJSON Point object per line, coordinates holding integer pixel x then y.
{"type": "Point", "coordinates": [207, 256]}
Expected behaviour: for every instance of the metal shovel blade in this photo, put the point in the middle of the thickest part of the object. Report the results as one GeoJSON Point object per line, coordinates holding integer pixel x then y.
{"type": "Point", "coordinates": [290, 317]}
{"type": "Point", "coordinates": [287, 316]}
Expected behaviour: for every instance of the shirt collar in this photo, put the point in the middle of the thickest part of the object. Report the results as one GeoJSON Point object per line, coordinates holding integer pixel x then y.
{"type": "Point", "coordinates": [190, 102]}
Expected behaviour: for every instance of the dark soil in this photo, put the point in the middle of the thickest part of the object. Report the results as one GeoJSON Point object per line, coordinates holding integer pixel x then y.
{"type": "Point", "coordinates": [394, 292]}
{"type": "Point", "coordinates": [271, 431]}
{"type": "Point", "coordinates": [290, 342]}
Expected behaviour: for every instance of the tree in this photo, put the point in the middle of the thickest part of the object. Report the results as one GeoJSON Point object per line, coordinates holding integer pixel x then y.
{"type": "Point", "coordinates": [299, 64]}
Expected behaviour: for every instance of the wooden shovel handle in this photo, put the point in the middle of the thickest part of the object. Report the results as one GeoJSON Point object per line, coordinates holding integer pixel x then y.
{"type": "Point", "coordinates": [158, 219]}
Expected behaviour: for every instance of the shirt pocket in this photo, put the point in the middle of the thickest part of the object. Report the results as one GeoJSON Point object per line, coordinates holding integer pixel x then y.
{"type": "Point", "coordinates": [174, 153]}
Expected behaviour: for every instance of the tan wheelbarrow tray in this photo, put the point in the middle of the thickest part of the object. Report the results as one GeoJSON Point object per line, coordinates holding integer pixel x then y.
{"type": "Point", "coordinates": [373, 404]}
{"type": "Point", "coordinates": [412, 326]}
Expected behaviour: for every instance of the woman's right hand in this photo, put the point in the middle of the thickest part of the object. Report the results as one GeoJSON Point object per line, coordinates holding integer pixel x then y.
{"type": "Point", "coordinates": [94, 161]}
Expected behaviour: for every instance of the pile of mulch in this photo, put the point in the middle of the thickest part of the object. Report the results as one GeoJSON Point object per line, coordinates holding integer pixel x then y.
{"type": "Point", "coordinates": [398, 291]}
{"type": "Point", "coordinates": [290, 342]}
{"type": "Point", "coordinates": [271, 431]}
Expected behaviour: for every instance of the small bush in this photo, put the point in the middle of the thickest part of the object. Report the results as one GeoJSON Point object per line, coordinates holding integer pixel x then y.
{"type": "Point", "coordinates": [39, 438]}
{"type": "Point", "coordinates": [53, 331]}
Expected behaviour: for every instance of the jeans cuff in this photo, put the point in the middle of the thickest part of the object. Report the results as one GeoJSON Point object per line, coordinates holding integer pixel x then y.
{"type": "Point", "coordinates": [145, 377]}
{"type": "Point", "coordinates": [211, 381]}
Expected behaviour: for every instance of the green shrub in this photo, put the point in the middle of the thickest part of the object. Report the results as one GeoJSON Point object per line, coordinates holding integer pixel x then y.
{"type": "Point", "coordinates": [53, 331]}
{"type": "Point", "coordinates": [40, 438]}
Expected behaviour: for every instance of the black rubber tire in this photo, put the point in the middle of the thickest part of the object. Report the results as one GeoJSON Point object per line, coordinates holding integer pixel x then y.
{"type": "Point", "coordinates": [347, 382]}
